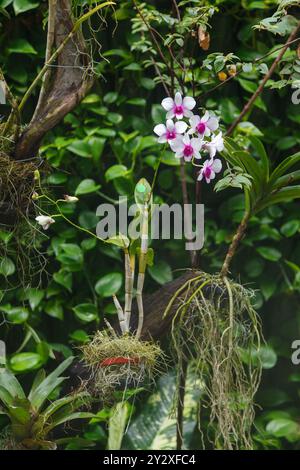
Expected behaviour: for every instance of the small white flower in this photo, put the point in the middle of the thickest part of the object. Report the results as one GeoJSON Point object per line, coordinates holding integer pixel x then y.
{"type": "Point", "coordinates": [45, 221]}
{"type": "Point", "coordinates": [169, 131]}
{"type": "Point", "coordinates": [186, 147]}
{"type": "Point", "coordinates": [68, 198]}
{"type": "Point", "coordinates": [179, 107]}
{"type": "Point", "coordinates": [216, 145]}
{"type": "Point", "coordinates": [209, 170]}
{"type": "Point", "coordinates": [203, 126]}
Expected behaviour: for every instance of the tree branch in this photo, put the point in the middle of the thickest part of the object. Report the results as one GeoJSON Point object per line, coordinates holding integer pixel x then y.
{"type": "Point", "coordinates": [264, 81]}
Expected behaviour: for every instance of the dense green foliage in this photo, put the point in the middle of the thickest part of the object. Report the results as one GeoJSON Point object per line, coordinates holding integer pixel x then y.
{"type": "Point", "coordinates": [100, 152]}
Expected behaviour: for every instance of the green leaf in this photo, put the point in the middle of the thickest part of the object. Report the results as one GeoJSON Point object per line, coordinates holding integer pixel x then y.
{"type": "Point", "coordinates": [7, 266]}
{"type": "Point", "coordinates": [117, 425]}
{"type": "Point", "coordinates": [86, 312]}
{"type": "Point", "coordinates": [271, 254]}
{"type": "Point", "coordinates": [80, 148]}
{"type": "Point", "coordinates": [283, 427]}
{"type": "Point", "coordinates": [20, 46]}
{"type": "Point", "coordinates": [20, 6]}
{"type": "Point", "coordinates": [46, 387]}
{"type": "Point", "coordinates": [16, 315]}
{"type": "Point", "coordinates": [64, 278]}
{"type": "Point", "coordinates": [137, 101]}
{"type": "Point", "coordinates": [290, 228]}
{"type": "Point", "coordinates": [79, 336]}
{"type": "Point", "coordinates": [35, 296]}
{"type": "Point", "coordinates": [87, 186]}
{"type": "Point", "coordinates": [25, 361]}
{"type": "Point", "coordinates": [55, 309]}
{"type": "Point", "coordinates": [161, 272]}
{"type": "Point", "coordinates": [155, 426]}
{"type": "Point", "coordinates": [284, 166]}
{"type": "Point", "coordinates": [115, 171]}
{"type": "Point", "coordinates": [142, 192]}
{"type": "Point", "coordinates": [260, 149]}
{"type": "Point", "coordinates": [110, 97]}
{"type": "Point", "coordinates": [119, 240]}
{"type": "Point", "coordinates": [169, 158]}
{"type": "Point", "coordinates": [11, 384]}
{"type": "Point", "coordinates": [109, 285]}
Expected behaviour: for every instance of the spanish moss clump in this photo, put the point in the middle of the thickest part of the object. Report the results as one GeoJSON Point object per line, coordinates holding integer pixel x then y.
{"type": "Point", "coordinates": [216, 326]}
{"type": "Point", "coordinates": [118, 363]}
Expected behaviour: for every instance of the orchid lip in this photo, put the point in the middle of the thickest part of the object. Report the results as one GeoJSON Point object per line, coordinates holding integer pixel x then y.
{"type": "Point", "coordinates": [188, 151]}
{"type": "Point", "coordinates": [201, 127]}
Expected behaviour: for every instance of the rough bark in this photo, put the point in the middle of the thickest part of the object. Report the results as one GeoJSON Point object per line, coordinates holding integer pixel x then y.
{"type": "Point", "coordinates": [64, 85]}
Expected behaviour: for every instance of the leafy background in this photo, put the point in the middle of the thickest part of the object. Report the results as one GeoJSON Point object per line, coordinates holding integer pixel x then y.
{"type": "Point", "coordinates": [98, 153]}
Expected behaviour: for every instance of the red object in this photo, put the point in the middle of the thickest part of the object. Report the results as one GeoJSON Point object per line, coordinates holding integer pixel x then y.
{"type": "Point", "coordinates": [111, 361]}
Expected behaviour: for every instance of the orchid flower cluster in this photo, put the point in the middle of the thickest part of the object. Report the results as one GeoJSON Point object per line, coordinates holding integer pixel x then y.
{"type": "Point", "coordinates": [189, 140]}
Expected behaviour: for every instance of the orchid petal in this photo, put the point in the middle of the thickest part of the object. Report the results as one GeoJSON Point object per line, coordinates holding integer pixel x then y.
{"type": "Point", "coordinates": [160, 129]}
{"type": "Point", "coordinates": [189, 102]}
{"type": "Point", "coordinates": [167, 103]}
{"type": "Point", "coordinates": [178, 99]}
{"type": "Point", "coordinates": [180, 127]}
{"type": "Point", "coordinates": [170, 125]}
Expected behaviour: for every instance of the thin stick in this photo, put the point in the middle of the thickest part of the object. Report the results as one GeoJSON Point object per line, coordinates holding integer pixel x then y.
{"type": "Point", "coordinates": [72, 33]}
{"type": "Point", "coordinates": [188, 221]}
{"type": "Point", "coordinates": [180, 402]}
{"type": "Point", "coordinates": [142, 269]}
{"type": "Point", "coordinates": [121, 316]}
{"type": "Point", "coordinates": [156, 43]}
{"type": "Point", "coordinates": [264, 81]}
{"type": "Point", "coordinates": [235, 243]}
{"type": "Point", "coordinates": [129, 280]}
{"type": "Point", "coordinates": [49, 46]}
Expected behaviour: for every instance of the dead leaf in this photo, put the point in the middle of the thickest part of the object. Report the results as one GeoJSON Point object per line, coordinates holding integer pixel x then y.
{"type": "Point", "coordinates": [203, 38]}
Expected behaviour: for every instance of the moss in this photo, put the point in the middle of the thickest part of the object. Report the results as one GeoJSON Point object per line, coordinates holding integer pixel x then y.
{"type": "Point", "coordinates": [142, 362]}
{"type": "Point", "coordinates": [216, 326]}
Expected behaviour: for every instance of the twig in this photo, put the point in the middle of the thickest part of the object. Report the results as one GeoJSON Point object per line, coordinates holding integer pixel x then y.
{"type": "Point", "coordinates": [155, 42]}
{"type": "Point", "coordinates": [129, 280]}
{"type": "Point", "coordinates": [72, 33]}
{"type": "Point", "coordinates": [49, 46]}
{"type": "Point", "coordinates": [121, 316]}
{"type": "Point", "coordinates": [185, 196]}
{"type": "Point", "coordinates": [264, 81]}
{"type": "Point", "coordinates": [180, 402]}
{"type": "Point", "coordinates": [14, 111]}
{"type": "Point", "coordinates": [235, 243]}
{"type": "Point", "coordinates": [142, 269]}
{"type": "Point", "coordinates": [177, 10]}
{"type": "Point", "coordinates": [256, 61]}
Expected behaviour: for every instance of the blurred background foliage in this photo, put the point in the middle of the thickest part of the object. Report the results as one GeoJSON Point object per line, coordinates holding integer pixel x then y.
{"type": "Point", "coordinates": [99, 153]}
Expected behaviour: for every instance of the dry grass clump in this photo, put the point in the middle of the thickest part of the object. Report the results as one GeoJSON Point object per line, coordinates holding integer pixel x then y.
{"type": "Point", "coordinates": [118, 363]}
{"type": "Point", "coordinates": [16, 186]}
{"type": "Point", "coordinates": [217, 326]}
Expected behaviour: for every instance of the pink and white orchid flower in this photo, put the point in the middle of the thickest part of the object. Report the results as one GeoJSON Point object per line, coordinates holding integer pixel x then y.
{"type": "Point", "coordinates": [209, 170]}
{"type": "Point", "coordinates": [186, 147]}
{"type": "Point", "coordinates": [179, 107]}
{"type": "Point", "coordinates": [203, 126]}
{"type": "Point", "coordinates": [215, 145]}
{"type": "Point", "coordinates": [170, 131]}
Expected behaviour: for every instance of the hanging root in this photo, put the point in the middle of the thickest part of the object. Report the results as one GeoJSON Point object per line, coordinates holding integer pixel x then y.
{"type": "Point", "coordinates": [217, 327]}
{"type": "Point", "coordinates": [118, 363]}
